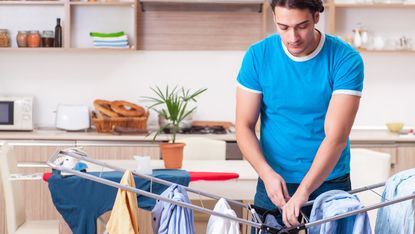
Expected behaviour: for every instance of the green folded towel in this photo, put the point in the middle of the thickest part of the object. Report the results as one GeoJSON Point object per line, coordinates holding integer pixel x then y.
{"type": "Point", "coordinates": [98, 34]}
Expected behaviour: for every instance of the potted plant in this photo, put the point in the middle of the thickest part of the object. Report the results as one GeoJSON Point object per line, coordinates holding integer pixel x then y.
{"type": "Point", "coordinates": [173, 106]}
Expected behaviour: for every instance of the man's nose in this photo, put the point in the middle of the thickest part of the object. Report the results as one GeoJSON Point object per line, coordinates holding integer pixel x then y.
{"type": "Point", "coordinates": [293, 35]}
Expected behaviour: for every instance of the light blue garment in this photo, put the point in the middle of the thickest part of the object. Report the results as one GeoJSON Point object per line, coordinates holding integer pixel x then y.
{"type": "Point", "coordinates": [337, 202]}
{"type": "Point", "coordinates": [172, 219]}
{"type": "Point", "coordinates": [397, 218]}
{"type": "Point", "coordinates": [296, 92]}
{"type": "Point", "coordinates": [271, 221]}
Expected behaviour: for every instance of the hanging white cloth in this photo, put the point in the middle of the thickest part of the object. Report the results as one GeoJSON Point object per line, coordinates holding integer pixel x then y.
{"type": "Point", "coordinates": [222, 225]}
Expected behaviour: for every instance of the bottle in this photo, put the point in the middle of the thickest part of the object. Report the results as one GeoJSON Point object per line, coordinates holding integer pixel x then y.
{"type": "Point", "coordinates": [58, 34]}
{"type": "Point", "coordinates": [364, 37]}
{"type": "Point", "coordinates": [357, 40]}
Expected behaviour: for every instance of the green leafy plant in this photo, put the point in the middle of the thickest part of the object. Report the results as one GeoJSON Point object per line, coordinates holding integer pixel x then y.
{"type": "Point", "coordinates": [174, 108]}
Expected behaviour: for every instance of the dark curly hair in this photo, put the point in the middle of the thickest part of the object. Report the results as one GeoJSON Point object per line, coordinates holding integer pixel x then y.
{"type": "Point", "coordinates": [312, 5]}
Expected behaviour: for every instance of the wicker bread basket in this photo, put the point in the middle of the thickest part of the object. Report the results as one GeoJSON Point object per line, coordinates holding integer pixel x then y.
{"type": "Point", "coordinates": [106, 125]}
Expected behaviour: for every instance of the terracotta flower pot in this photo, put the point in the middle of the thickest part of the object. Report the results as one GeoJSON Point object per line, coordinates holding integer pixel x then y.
{"type": "Point", "coordinates": [172, 155]}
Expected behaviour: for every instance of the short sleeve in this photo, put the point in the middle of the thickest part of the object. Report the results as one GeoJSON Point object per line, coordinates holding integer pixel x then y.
{"type": "Point", "coordinates": [349, 75]}
{"type": "Point", "coordinates": [248, 78]}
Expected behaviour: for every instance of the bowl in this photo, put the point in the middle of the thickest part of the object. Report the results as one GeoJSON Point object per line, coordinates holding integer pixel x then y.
{"type": "Point", "coordinates": [395, 127]}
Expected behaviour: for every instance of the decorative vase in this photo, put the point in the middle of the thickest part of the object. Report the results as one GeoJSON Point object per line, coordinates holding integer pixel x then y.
{"type": "Point", "coordinates": [172, 155]}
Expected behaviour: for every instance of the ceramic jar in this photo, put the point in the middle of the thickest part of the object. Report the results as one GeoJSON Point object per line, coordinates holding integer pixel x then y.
{"type": "Point", "coordinates": [4, 38]}
{"type": "Point", "coordinates": [21, 38]}
{"type": "Point", "coordinates": [48, 38]}
{"type": "Point", "coordinates": [33, 39]}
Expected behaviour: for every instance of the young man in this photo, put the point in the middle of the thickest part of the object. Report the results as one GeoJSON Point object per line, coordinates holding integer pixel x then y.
{"type": "Point", "coordinates": [307, 86]}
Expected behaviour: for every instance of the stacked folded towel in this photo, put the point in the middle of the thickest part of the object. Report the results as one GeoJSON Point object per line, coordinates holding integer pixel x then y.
{"type": "Point", "coordinates": [109, 40]}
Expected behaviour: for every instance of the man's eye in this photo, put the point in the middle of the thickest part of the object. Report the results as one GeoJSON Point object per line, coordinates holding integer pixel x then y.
{"type": "Point", "coordinates": [283, 28]}
{"type": "Point", "coordinates": [303, 27]}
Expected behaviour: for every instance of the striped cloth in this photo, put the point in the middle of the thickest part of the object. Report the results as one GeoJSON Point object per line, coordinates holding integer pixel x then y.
{"type": "Point", "coordinates": [109, 40]}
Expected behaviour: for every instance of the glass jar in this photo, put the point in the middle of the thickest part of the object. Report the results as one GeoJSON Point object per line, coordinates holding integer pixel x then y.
{"type": "Point", "coordinates": [48, 37]}
{"type": "Point", "coordinates": [21, 38]}
{"type": "Point", "coordinates": [33, 39]}
{"type": "Point", "coordinates": [4, 38]}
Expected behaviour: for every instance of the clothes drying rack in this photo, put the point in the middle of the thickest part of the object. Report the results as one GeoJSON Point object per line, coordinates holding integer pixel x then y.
{"type": "Point", "coordinates": [56, 160]}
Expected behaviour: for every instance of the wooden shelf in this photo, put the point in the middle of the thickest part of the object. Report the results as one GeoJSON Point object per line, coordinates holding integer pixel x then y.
{"type": "Point", "coordinates": [31, 49]}
{"type": "Point", "coordinates": [374, 5]}
{"type": "Point", "coordinates": [40, 49]}
{"type": "Point", "coordinates": [32, 3]}
{"type": "Point", "coordinates": [242, 2]}
{"type": "Point", "coordinates": [129, 3]}
{"type": "Point", "coordinates": [387, 51]}
{"type": "Point", "coordinates": [181, 24]}
{"type": "Point", "coordinates": [100, 49]}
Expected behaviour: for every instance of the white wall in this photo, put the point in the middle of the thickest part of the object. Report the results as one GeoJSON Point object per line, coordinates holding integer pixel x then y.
{"type": "Point", "coordinates": [389, 89]}
{"type": "Point", "coordinates": [76, 77]}
{"type": "Point", "coordinates": [80, 77]}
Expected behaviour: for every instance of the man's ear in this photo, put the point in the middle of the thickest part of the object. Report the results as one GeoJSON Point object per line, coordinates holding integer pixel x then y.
{"type": "Point", "coordinates": [316, 17]}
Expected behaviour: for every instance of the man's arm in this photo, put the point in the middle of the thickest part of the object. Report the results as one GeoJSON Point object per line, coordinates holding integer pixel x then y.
{"type": "Point", "coordinates": [338, 123]}
{"type": "Point", "coordinates": [248, 105]}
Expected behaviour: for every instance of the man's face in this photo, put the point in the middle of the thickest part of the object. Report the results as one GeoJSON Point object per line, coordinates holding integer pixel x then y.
{"type": "Point", "coordinates": [296, 28]}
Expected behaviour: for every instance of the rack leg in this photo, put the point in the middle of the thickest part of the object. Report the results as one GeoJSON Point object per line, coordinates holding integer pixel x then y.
{"type": "Point", "coordinates": [246, 215]}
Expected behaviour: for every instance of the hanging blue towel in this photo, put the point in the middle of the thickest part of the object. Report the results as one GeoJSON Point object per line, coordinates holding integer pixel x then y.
{"type": "Point", "coordinates": [397, 218]}
{"type": "Point", "coordinates": [81, 201]}
{"type": "Point", "coordinates": [335, 202]}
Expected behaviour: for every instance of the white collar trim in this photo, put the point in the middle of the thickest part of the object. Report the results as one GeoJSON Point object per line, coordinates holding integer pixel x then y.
{"type": "Point", "coordinates": [307, 57]}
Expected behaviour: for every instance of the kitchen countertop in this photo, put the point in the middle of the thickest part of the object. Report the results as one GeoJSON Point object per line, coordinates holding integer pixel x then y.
{"type": "Point", "coordinates": [381, 136]}
{"type": "Point", "coordinates": [356, 136]}
{"type": "Point", "coordinates": [56, 134]}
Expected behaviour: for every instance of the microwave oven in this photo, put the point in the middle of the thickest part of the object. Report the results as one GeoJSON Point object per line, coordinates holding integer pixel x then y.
{"type": "Point", "coordinates": [16, 113]}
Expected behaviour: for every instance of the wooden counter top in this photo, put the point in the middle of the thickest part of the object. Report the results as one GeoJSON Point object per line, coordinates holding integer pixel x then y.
{"type": "Point", "coordinates": [357, 136]}
{"type": "Point", "coordinates": [55, 134]}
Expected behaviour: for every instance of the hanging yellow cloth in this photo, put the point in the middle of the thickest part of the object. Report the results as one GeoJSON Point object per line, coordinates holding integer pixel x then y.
{"type": "Point", "coordinates": [124, 215]}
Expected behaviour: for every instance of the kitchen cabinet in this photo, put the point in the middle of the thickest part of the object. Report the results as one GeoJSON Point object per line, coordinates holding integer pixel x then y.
{"type": "Point", "coordinates": [159, 25]}
{"type": "Point", "coordinates": [340, 18]}
{"type": "Point", "coordinates": [402, 154]}
{"type": "Point", "coordinates": [30, 15]}
{"type": "Point", "coordinates": [196, 25]}
{"type": "Point", "coordinates": [78, 17]}
{"type": "Point", "coordinates": [383, 26]}
{"type": "Point", "coordinates": [406, 157]}
{"type": "Point", "coordinates": [107, 150]}
{"type": "Point", "coordinates": [200, 25]}
{"type": "Point", "coordinates": [110, 16]}
{"type": "Point", "coordinates": [182, 26]}
{"type": "Point", "coordinates": [389, 148]}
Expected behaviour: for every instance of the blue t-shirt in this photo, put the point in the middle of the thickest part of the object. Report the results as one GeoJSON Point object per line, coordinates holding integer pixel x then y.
{"type": "Point", "coordinates": [296, 92]}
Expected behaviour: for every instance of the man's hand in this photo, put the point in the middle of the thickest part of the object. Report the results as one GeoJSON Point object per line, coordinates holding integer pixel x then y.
{"type": "Point", "coordinates": [291, 210]}
{"type": "Point", "coordinates": [276, 188]}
